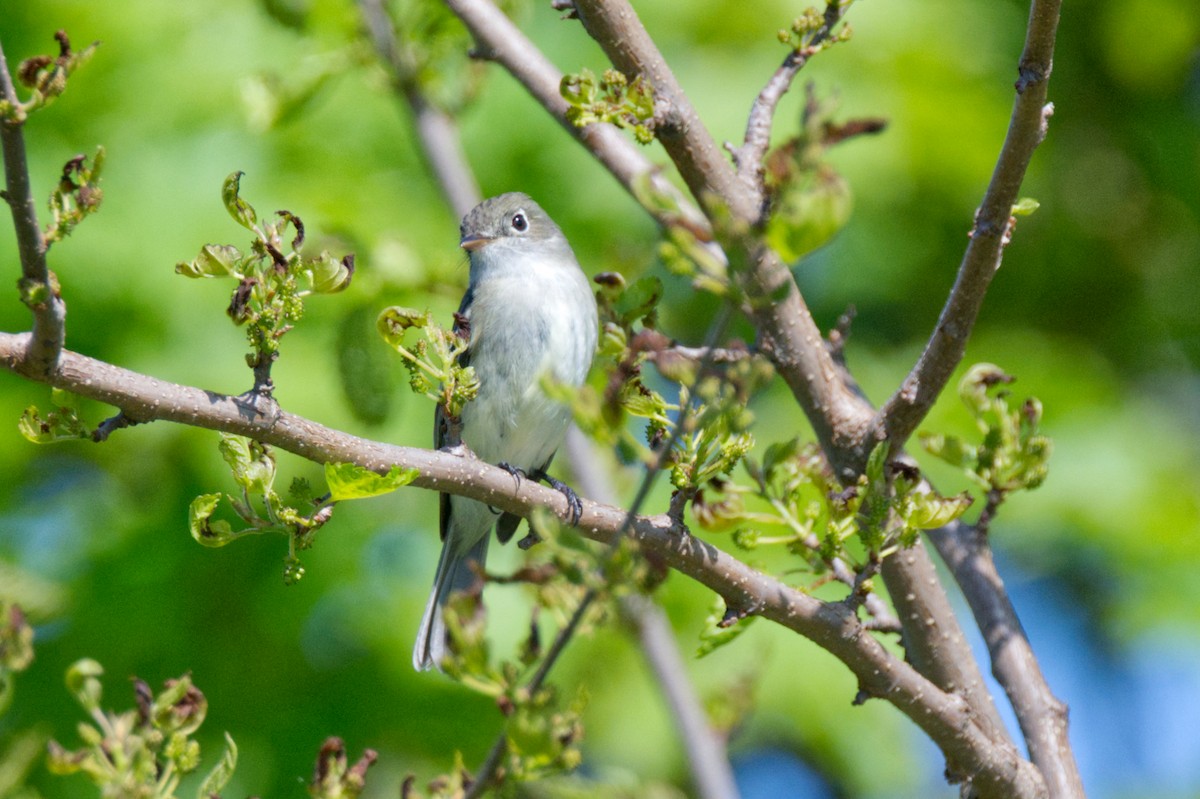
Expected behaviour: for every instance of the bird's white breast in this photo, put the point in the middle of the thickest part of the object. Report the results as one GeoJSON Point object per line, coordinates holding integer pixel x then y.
{"type": "Point", "coordinates": [527, 319]}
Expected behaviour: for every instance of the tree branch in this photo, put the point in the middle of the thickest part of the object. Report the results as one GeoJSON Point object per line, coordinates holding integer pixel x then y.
{"type": "Point", "coordinates": [437, 131]}
{"type": "Point", "coordinates": [749, 157]}
{"type": "Point", "coordinates": [706, 754]}
{"type": "Point", "coordinates": [908, 406]}
{"type": "Point", "coordinates": [39, 289]}
{"type": "Point", "coordinates": [996, 769]}
{"type": "Point", "coordinates": [1042, 717]}
{"type": "Point", "coordinates": [707, 758]}
{"type": "Point", "coordinates": [499, 40]}
{"type": "Point", "coordinates": [787, 333]}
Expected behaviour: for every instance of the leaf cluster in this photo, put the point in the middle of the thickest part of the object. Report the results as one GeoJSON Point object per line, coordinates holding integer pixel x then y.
{"type": "Point", "coordinates": [1013, 454]}
{"type": "Point", "coordinates": [77, 195]}
{"type": "Point", "coordinates": [433, 360]}
{"type": "Point", "coordinates": [273, 278]}
{"type": "Point", "coordinates": [144, 753]}
{"type": "Point", "coordinates": [809, 201]}
{"type": "Point", "coordinates": [258, 505]}
{"type": "Point", "coordinates": [62, 423]}
{"type": "Point", "coordinates": [612, 98]}
{"type": "Point", "coordinates": [141, 753]}
{"type": "Point", "coordinates": [46, 78]}
{"type": "Point", "coordinates": [812, 31]}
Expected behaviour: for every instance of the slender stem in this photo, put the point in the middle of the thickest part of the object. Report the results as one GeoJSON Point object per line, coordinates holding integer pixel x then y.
{"type": "Point", "coordinates": [49, 311]}
{"type": "Point", "coordinates": [707, 758]}
{"type": "Point", "coordinates": [487, 770]}
{"type": "Point", "coordinates": [1041, 716]}
{"type": "Point", "coordinates": [908, 406]}
{"type": "Point", "coordinates": [437, 131]}
{"type": "Point", "coordinates": [706, 754]}
{"type": "Point", "coordinates": [749, 157]}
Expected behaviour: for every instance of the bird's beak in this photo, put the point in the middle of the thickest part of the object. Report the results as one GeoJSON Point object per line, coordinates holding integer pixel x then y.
{"type": "Point", "coordinates": [473, 242]}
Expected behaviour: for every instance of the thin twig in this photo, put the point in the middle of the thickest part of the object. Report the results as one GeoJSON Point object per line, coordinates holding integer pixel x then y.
{"type": "Point", "coordinates": [483, 777]}
{"type": "Point", "coordinates": [437, 131]}
{"type": "Point", "coordinates": [749, 157]}
{"type": "Point", "coordinates": [706, 754]}
{"type": "Point", "coordinates": [707, 757]}
{"type": "Point", "coordinates": [49, 310]}
{"type": "Point", "coordinates": [486, 771]}
{"type": "Point", "coordinates": [1041, 716]}
{"type": "Point", "coordinates": [908, 406]}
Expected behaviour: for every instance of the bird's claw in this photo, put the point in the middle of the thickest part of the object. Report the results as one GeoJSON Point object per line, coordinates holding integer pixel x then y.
{"type": "Point", "coordinates": [574, 504]}
{"type": "Point", "coordinates": [516, 471]}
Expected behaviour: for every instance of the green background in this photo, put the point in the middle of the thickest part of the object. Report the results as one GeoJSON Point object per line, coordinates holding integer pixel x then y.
{"type": "Point", "coordinates": [1094, 310]}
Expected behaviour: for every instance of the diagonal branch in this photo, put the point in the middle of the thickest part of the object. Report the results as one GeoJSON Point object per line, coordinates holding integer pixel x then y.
{"type": "Point", "coordinates": [437, 131]}
{"type": "Point", "coordinates": [707, 758]}
{"type": "Point", "coordinates": [499, 40]}
{"type": "Point", "coordinates": [1042, 717]}
{"type": "Point", "coordinates": [749, 157]}
{"type": "Point", "coordinates": [39, 290]}
{"type": "Point", "coordinates": [995, 768]}
{"type": "Point", "coordinates": [906, 408]}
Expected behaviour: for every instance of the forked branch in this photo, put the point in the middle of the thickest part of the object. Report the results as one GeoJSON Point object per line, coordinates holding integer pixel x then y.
{"type": "Point", "coordinates": [971, 753]}
{"type": "Point", "coordinates": [39, 290]}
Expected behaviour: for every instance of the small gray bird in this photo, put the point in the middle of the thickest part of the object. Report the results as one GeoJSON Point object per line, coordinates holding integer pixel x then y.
{"type": "Point", "coordinates": [528, 311]}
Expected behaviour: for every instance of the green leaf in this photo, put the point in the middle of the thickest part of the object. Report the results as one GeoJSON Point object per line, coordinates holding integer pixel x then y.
{"type": "Point", "coordinates": [931, 511]}
{"type": "Point", "coordinates": [951, 449]}
{"type": "Point", "coordinates": [252, 464]}
{"type": "Point", "coordinates": [241, 211]}
{"type": "Point", "coordinates": [214, 260]}
{"type": "Point", "coordinates": [60, 424]}
{"type": "Point", "coordinates": [1025, 206]}
{"type": "Point", "coordinates": [365, 367]}
{"type": "Point", "coordinates": [330, 274]}
{"type": "Point", "coordinates": [778, 453]}
{"type": "Point", "coordinates": [807, 213]}
{"type": "Point", "coordinates": [714, 635]}
{"type": "Point", "coordinates": [83, 680]}
{"type": "Point", "coordinates": [394, 321]}
{"type": "Point", "coordinates": [216, 779]}
{"type": "Point", "coordinates": [640, 299]}
{"type": "Point", "coordinates": [351, 481]}
{"type": "Point", "coordinates": [207, 532]}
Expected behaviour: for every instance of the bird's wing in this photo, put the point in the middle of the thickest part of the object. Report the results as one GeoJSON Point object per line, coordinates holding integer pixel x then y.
{"type": "Point", "coordinates": [444, 433]}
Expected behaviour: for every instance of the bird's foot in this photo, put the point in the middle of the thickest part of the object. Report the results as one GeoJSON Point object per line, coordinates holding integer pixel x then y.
{"type": "Point", "coordinates": [516, 471]}
{"type": "Point", "coordinates": [574, 505]}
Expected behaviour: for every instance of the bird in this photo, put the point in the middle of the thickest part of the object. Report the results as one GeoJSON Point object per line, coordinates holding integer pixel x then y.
{"type": "Point", "coordinates": [528, 311]}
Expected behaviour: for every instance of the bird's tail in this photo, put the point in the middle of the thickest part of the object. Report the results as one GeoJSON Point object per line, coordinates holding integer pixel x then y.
{"type": "Point", "coordinates": [454, 573]}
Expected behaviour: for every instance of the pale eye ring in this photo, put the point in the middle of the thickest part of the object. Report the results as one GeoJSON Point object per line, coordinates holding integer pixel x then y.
{"type": "Point", "coordinates": [519, 223]}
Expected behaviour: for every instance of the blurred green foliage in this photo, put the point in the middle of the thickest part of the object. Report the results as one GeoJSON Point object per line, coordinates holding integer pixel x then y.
{"type": "Point", "coordinates": [1094, 311]}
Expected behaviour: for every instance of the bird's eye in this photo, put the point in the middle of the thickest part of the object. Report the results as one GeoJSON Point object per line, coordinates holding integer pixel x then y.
{"type": "Point", "coordinates": [519, 222]}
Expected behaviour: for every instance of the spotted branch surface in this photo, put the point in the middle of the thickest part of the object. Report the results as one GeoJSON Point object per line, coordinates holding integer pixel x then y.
{"type": "Point", "coordinates": [946, 718]}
